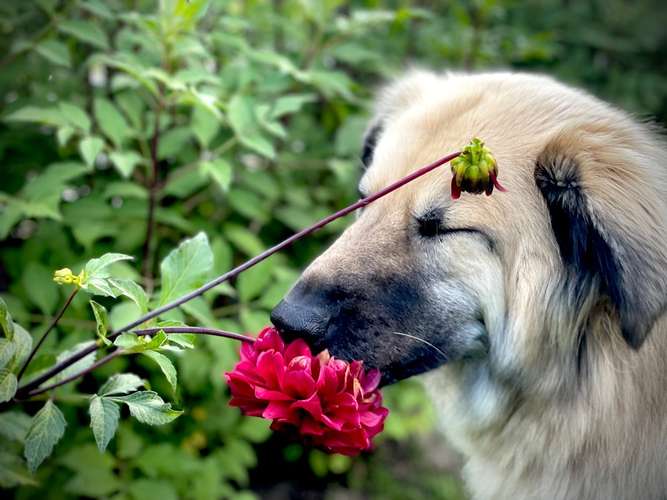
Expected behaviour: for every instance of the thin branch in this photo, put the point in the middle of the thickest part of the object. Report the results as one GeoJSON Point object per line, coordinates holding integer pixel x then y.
{"type": "Point", "coordinates": [51, 326]}
{"type": "Point", "coordinates": [239, 269]}
{"type": "Point", "coordinates": [197, 331]}
{"type": "Point", "coordinates": [66, 380]}
{"type": "Point", "coordinates": [147, 262]}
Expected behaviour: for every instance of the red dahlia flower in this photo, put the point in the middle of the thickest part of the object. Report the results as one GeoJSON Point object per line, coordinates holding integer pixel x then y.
{"type": "Point", "coordinates": [332, 404]}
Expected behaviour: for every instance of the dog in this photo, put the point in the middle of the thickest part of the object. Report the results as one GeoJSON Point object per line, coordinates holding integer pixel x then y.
{"type": "Point", "coordinates": [536, 315]}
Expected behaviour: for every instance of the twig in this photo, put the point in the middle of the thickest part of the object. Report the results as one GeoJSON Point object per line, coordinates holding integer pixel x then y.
{"type": "Point", "coordinates": [66, 380]}
{"type": "Point", "coordinates": [147, 262]}
{"type": "Point", "coordinates": [51, 326]}
{"type": "Point", "coordinates": [146, 331]}
{"type": "Point", "coordinates": [239, 269]}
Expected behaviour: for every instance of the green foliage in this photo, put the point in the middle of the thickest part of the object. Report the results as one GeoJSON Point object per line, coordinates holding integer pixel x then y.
{"type": "Point", "coordinates": [242, 122]}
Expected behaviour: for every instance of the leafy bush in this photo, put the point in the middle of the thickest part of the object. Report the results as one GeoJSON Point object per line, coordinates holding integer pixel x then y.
{"type": "Point", "coordinates": [192, 136]}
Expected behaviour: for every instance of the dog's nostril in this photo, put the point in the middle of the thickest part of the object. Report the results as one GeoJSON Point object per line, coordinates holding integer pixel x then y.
{"type": "Point", "coordinates": [296, 321]}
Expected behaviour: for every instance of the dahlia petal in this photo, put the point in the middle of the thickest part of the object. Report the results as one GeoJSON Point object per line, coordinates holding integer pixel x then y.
{"type": "Point", "coordinates": [456, 190]}
{"type": "Point", "coordinates": [298, 384]}
{"type": "Point", "coordinates": [297, 348]}
{"type": "Point", "coordinates": [277, 410]}
{"type": "Point", "coordinates": [270, 395]}
{"type": "Point", "coordinates": [271, 367]}
{"type": "Point", "coordinates": [269, 339]}
{"type": "Point", "coordinates": [371, 380]}
{"type": "Point", "coordinates": [311, 405]}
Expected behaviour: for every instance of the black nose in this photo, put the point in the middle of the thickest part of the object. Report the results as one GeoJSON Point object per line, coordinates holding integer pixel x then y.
{"type": "Point", "coordinates": [301, 320]}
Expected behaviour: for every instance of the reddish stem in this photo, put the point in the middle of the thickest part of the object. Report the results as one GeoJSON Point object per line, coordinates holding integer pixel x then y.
{"type": "Point", "coordinates": [239, 269]}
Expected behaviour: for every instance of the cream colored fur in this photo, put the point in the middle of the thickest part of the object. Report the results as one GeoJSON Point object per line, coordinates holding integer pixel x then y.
{"type": "Point", "coordinates": [531, 425]}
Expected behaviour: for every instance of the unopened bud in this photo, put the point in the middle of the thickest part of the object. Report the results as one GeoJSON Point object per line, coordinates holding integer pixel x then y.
{"type": "Point", "coordinates": [475, 170]}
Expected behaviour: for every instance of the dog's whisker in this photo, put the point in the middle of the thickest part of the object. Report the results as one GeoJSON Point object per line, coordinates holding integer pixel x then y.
{"type": "Point", "coordinates": [440, 351]}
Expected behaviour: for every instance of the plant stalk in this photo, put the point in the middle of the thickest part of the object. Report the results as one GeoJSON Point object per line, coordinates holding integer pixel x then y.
{"type": "Point", "coordinates": [27, 388]}
{"type": "Point", "coordinates": [51, 326]}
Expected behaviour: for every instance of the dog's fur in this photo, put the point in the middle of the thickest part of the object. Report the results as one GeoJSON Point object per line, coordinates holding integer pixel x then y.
{"type": "Point", "coordinates": [539, 312]}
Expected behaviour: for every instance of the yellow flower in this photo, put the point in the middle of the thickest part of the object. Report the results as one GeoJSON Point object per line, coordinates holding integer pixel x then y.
{"type": "Point", "coordinates": [65, 276]}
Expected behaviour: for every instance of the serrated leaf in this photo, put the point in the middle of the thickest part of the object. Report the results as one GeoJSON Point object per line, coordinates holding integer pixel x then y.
{"type": "Point", "coordinates": [6, 322]}
{"type": "Point", "coordinates": [121, 383]}
{"type": "Point", "coordinates": [7, 350]}
{"type": "Point", "coordinates": [98, 267]}
{"type": "Point", "coordinates": [75, 115]}
{"type": "Point", "coordinates": [23, 345]}
{"type": "Point", "coordinates": [148, 407]}
{"type": "Point", "coordinates": [290, 104]}
{"type": "Point", "coordinates": [132, 343]}
{"type": "Point", "coordinates": [86, 31]}
{"type": "Point", "coordinates": [101, 321]}
{"type": "Point", "coordinates": [110, 121]}
{"type": "Point", "coordinates": [166, 366]}
{"type": "Point", "coordinates": [89, 148]}
{"type": "Point", "coordinates": [125, 162]}
{"type": "Point", "coordinates": [204, 125]}
{"type": "Point", "coordinates": [46, 429]}
{"type": "Point", "coordinates": [219, 170]}
{"type": "Point", "coordinates": [14, 425]}
{"type": "Point", "coordinates": [243, 120]}
{"type": "Point", "coordinates": [8, 385]}
{"type": "Point", "coordinates": [81, 364]}
{"type": "Point", "coordinates": [132, 291]}
{"type": "Point", "coordinates": [185, 340]}
{"type": "Point", "coordinates": [186, 267]}
{"type": "Point", "coordinates": [104, 415]}
{"type": "Point", "coordinates": [55, 52]}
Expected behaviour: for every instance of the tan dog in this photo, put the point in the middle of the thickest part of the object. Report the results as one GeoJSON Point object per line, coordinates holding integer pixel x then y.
{"type": "Point", "coordinates": [539, 312]}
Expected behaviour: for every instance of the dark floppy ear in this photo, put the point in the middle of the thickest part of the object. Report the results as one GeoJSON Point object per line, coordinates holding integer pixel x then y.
{"type": "Point", "coordinates": [608, 236]}
{"type": "Point", "coordinates": [370, 141]}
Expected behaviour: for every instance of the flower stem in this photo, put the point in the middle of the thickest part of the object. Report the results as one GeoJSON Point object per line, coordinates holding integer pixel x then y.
{"type": "Point", "coordinates": [239, 269]}
{"type": "Point", "coordinates": [146, 331]}
{"type": "Point", "coordinates": [51, 326]}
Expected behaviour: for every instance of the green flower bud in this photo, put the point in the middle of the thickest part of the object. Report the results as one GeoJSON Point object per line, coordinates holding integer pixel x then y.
{"type": "Point", "coordinates": [475, 170]}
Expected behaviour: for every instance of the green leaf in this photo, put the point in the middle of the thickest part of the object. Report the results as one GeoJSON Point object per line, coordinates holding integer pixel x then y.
{"type": "Point", "coordinates": [290, 104]}
{"type": "Point", "coordinates": [6, 322]}
{"type": "Point", "coordinates": [48, 116]}
{"type": "Point", "coordinates": [185, 340]}
{"type": "Point", "coordinates": [186, 267]}
{"type": "Point", "coordinates": [125, 162]}
{"type": "Point", "coordinates": [148, 407]}
{"type": "Point", "coordinates": [121, 383]}
{"type": "Point", "coordinates": [46, 429]}
{"type": "Point", "coordinates": [89, 148]}
{"type": "Point", "coordinates": [86, 31]}
{"type": "Point", "coordinates": [14, 425]}
{"type": "Point", "coordinates": [98, 267]}
{"type": "Point", "coordinates": [8, 385]}
{"type": "Point", "coordinates": [55, 52]}
{"type": "Point", "coordinates": [252, 282]}
{"type": "Point", "coordinates": [125, 190]}
{"type": "Point", "coordinates": [23, 345]}
{"type": "Point", "coordinates": [39, 286]}
{"type": "Point", "coordinates": [132, 343]}
{"type": "Point", "coordinates": [104, 415]}
{"type": "Point", "coordinates": [93, 473]}
{"type": "Point", "coordinates": [7, 350]}
{"type": "Point", "coordinates": [75, 115]}
{"type": "Point", "coordinates": [13, 471]}
{"type": "Point", "coordinates": [110, 121]}
{"type": "Point", "coordinates": [204, 125]}
{"type": "Point", "coordinates": [220, 171]}
{"type": "Point", "coordinates": [101, 320]}
{"type": "Point", "coordinates": [165, 365]}
{"type": "Point", "coordinates": [141, 489]}
{"type": "Point", "coordinates": [81, 364]}
{"type": "Point", "coordinates": [131, 290]}
{"type": "Point", "coordinates": [243, 239]}
{"type": "Point", "coordinates": [246, 126]}
{"type": "Point", "coordinates": [64, 134]}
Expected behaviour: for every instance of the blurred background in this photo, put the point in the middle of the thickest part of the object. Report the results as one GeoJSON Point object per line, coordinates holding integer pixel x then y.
{"type": "Point", "coordinates": [261, 107]}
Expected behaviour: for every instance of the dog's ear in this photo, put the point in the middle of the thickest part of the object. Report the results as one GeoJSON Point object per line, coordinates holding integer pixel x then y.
{"type": "Point", "coordinates": [608, 220]}
{"type": "Point", "coordinates": [393, 99]}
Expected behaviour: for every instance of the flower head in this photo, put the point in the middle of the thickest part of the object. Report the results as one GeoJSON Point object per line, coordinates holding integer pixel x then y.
{"type": "Point", "coordinates": [65, 276]}
{"type": "Point", "coordinates": [475, 170]}
{"type": "Point", "coordinates": [330, 403]}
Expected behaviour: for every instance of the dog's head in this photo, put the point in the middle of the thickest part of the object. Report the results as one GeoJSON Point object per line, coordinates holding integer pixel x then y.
{"type": "Point", "coordinates": [420, 280]}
